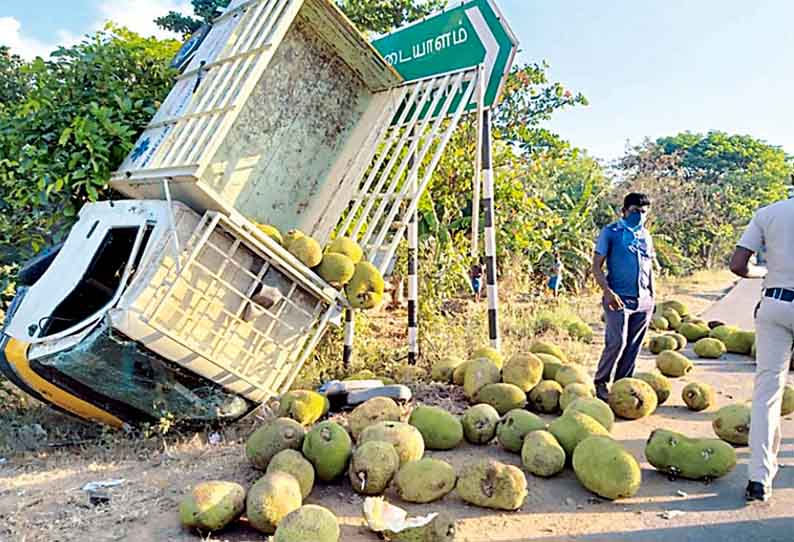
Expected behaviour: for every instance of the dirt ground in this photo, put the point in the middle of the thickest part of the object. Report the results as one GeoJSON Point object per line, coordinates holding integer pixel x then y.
{"type": "Point", "coordinates": [41, 499]}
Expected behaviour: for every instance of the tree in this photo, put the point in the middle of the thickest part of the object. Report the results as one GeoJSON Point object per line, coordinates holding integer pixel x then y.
{"type": "Point", "coordinates": [377, 16]}
{"type": "Point", "coordinates": [13, 78]}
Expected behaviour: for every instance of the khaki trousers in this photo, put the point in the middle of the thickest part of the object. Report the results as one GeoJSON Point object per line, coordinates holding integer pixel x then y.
{"type": "Point", "coordinates": [775, 336]}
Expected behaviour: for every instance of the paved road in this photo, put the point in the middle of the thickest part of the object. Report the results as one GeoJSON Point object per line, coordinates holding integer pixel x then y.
{"type": "Point", "coordinates": [738, 306]}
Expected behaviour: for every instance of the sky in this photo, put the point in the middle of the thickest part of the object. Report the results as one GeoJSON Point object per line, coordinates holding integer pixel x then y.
{"type": "Point", "coordinates": [649, 69]}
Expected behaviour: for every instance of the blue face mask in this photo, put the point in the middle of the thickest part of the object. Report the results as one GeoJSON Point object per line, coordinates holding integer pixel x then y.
{"type": "Point", "coordinates": [635, 219]}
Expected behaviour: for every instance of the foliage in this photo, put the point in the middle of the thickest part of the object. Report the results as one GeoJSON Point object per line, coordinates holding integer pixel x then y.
{"type": "Point", "coordinates": [13, 80]}
{"type": "Point", "coordinates": [205, 11]}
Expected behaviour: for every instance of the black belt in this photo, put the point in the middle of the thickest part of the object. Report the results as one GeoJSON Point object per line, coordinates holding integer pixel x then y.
{"type": "Point", "coordinates": [781, 294]}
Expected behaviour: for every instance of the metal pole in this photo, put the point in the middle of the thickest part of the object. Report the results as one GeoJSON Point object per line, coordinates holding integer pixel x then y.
{"type": "Point", "coordinates": [475, 201]}
{"type": "Point", "coordinates": [490, 232]}
{"type": "Point", "coordinates": [413, 281]}
{"type": "Point", "coordinates": [350, 331]}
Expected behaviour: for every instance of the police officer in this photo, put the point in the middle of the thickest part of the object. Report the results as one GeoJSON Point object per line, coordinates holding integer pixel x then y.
{"type": "Point", "coordinates": [771, 229]}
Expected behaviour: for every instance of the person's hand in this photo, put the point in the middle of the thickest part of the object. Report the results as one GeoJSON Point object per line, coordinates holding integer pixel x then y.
{"type": "Point", "coordinates": [613, 301]}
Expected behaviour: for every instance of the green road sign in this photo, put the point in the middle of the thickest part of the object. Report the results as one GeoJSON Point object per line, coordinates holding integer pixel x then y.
{"type": "Point", "coordinates": [465, 36]}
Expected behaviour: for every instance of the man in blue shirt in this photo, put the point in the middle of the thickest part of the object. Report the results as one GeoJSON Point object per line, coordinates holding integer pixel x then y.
{"type": "Point", "coordinates": [627, 249]}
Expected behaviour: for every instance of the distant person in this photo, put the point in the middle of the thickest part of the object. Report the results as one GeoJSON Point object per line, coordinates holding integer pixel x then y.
{"type": "Point", "coordinates": [475, 274]}
{"type": "Point", "coordinates": [772, 228]}
{"type": "Point", "coordinates": [627, 249]}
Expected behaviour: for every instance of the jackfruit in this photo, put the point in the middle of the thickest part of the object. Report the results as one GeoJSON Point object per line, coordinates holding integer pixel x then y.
{"type": "Point", "coordinates": [673, 364]}
{"type": "Point", "coordinates": [479, 374]}
{"type": "Point", "coordinates": [677, 306]}
{"type": "Point", "coordinates": [372, 467]}
{"type": "Point", "coordinates": [270, 499]}
{"type": "Point", "coordinates": [479, 423]}
{"type": "Point", "coordinates": [787, 406]}
{"type": "Point", "coordinates": [580, 331]}
{"type": "Point", "coordinates": [672, 317]}
{"type": "Point", "coordinates": [440, 529]}
{"type": "Point", "coordinates": [336, 269]}
{"type": "Point", "coordinates": [459, 373]}
{"type": "Point", "coordinates": [740, 342]}
{"type": "Point", "coordinates": [551, 365]}
{"type": "Point", "coordinates": [754, 353]}
{"type": "Point", "coordinates": [410, 374]}
{"type": "Point", "coordinates": [440, 429]}
{"type": "Point", "coordinates": [307, 250]}
{"type": "Point", "coordinates": [660, 323]}
{"type": "Point", "coordinates": [514, 427]}
{"type": "Point", "coordinates": [693, 331]}
{"type": "Point", "coordinates": [491, 484]}
{"type": "Point", "coordinates": [292, 462]}
{"type": "Point", "coordinates": [291, 237]}
{"type": "Point", "coordinates": [328, 446]}
{"type": "Point", "coordinates": [662, 343]}
{"type": "Point", "coordinates": [693, 458]}
{"type": "Point", "coordinates": [570, 374]}
{"type": "Point", "coordinates": [631, 398]}
{"type": "Point", "coordinates": [660, 384]}
{"type": "Point", "coordinates": [425, 480]}
{"type": "Point", "coordinates": [365, 289]}
{"type": "Point", "coordinates": [346, 247]}
{"type": "Point", "coordinates": [372, 411]}
{"type": "Point", "coordinates": [710, 348]}
{"type": "Point", "coordinates": [272, 232]}
{"type": "Point", "coordinates": [543, 347]}
{"type": "Point", "coordinates": [604, 467]}
{"type": "Point", "coordinates": [596, 409]}
{"type": "Point", "coordinates": [211, 506]}
{"type": "Point", "coordinates": [574, 391]}
{"type": "Point", "coordinates": [721, 333]}
{"type": "Point", "coordinates": [541, 454]}
{"type": "Point", "coordinates": [273, 437]}
{"type": "Point", "coordinates": [442, 370]}
{"type": "Point", "coordinates": [523, 370]}
{"type": "Point", "coordinates": [490, 354]}
{"type": "Point", "coordinates": [406, 439]}
{"type": "Point", "coordinates": [503, 397]}
{"type": "Point", "coordinates": [698, 396]}
{"type": "Point", "coordinates": [309, 523]}
{"type": "Point", "coordinates": [545, 397]}
{"type": "Point", "coordinates": [303, 406]}
{"type": "Point", "coordinates": [364, 374]}
{"type": "Point", "coordinates": [680, 339]}
{"type": "Point", "coordinates": [572, 428]}
{"type": "Point", "coordinates": [732, 424]}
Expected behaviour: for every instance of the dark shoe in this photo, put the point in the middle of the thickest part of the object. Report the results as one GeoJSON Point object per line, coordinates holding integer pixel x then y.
{"type": "Point", "coordinates": [602, 392]}
{"type": "Point", "coordinates": [756, 491]}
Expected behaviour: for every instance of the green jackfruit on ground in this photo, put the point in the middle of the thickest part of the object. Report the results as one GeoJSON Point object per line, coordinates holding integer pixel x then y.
{"type": "Point", "coordinates": [424, 481]}
{"type": "Point", "coordinates": [575, 391]}
{"type": "Point", "coordinates": [442, 370]}
{"type": "Point", "coordinates": [580, 331]}
{"type": "Point", "coordinates": [270, 499]}
{"type": "Point", "coordinates": [479, 423]}
{"type": "Point", "coordinates": [543, 347]}
{"type": "Point", "coordinates": [503, 397]}
{"type": "Point", "coordinates": [732, 424]}
{"type": "Point", "coordinates": [309, 523]}
{"type": "Point", "coordinates": [660, 384]}
{"type": "Point", "coordinates": [603, 466]}
{"type": "Point", "coordinates": [459, 373]}
{"type": "Point", "coordinates": [721, 333]}
{"type": "Point", "coordinates": [680, 339]}
{"type": "Point", "coordinates": [440, 429]}
{"type": "Point", "coordinates": [595, 408]}
{"type": "Point", "coordinates": [303, 406]}
{"type": "Point", "coordinates": [693, 331]}
{"type": "Point", "coordinates": [372, 467]}
{"type": "Point", "coordinates": [291, 237]}
{"type": "Point", "coordinates": [740, 342]}
{"type": "Point", "coordinates": [272, 232]}
{"type": "Point", "coordinates": [490, 354]}
{"type": "Point", "coordinates": [347, 247]}
{"type": "Point", "coordinates": [336, 269]}
{"type": "Point", "coordinates": [365, 289]}
{"type": "Point", "coordinates": [541, 454]}
{"type": "Point", "coordinates": [570, 374]}
{"type": "Point", "coordinates": [693, 458]}
{"type": "Point", "coordinates": [405, 438]}
{"type": "Point", "coordinates": [440, 529]}
{"type": "Point", "coordinates": [677, 306]}
{"type": "Point", "coordinates": [710, 348]}
{"type": "Point", "coordinates": [292, 462]}
{"type": "Point", "coordinates": [787, 407]}
{"type": "Point", "coordinates": [363, 374]}
{"type": "Point", "coordinates": [274, 436]}
{"type": "Point", "coordinates": [572, 428]}
{"type": "Point", "coordinates": [307, 250]}
{"type": "Point", "coordinates": [328, 446]}
{"type": "Point", "coordinates": [514, 427]}
{"type": "Point", "coordinates": [660, 323]}
{"type": "Point", "coordinates": [211, 506]}
{"type": "Point", "coordinates": [672, 317]}
{"type": "Point", "coordinates": [490, 484]}
{"type": "Point", "coordinates": [551, 365]}
{"type": "Point", "coordinates": [698, 396]}
{"type": "Point", "coordinates": [523, 370]}
{"type": "Point", "coordinates": [673, 364]}
{"type": "Point", "coordinates": [661, 343]}
{"type": "Point", "coordinates": [545, 397]}
{"type": "Point", "coordinates": [632, 398]}
{"type": "Point", "coordinates": [372, 411]}
{"type": "Point", "coordinates": [479, 374]}
{"type": "Point", "coordinates": [410, 374]}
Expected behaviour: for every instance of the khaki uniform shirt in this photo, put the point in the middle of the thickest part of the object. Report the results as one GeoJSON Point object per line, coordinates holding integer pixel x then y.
{"type": "Point", "coordinates": [772, 228]}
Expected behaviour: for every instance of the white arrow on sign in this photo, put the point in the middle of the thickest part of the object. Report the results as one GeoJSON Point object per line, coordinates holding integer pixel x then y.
{"type": "Point", "coordinates": [487, 39]}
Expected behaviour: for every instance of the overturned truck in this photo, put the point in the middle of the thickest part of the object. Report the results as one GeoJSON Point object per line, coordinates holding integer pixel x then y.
{"type": "Point", "coordinates": [286, 115]}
